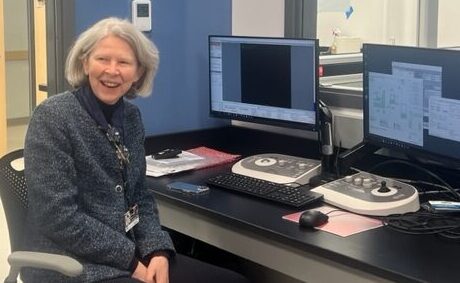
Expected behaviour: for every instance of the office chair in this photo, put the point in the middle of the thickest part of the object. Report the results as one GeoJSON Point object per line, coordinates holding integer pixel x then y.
{"type": "Point", "coordinates": [13, 192]}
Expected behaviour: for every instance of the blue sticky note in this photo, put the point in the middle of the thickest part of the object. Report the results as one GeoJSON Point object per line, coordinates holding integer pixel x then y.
{"type": "Point", "coordinates": [348, 12]}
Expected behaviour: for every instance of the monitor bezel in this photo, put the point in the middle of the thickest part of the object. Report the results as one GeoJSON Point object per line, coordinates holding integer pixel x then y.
{"type": "Point", "coordinates": [267, 121]}
{"type": "Point", "coordinates": [423, 155]}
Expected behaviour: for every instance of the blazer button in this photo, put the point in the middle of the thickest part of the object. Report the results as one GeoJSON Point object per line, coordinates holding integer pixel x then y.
{"type": "Point", "coordinates": [118, 188]}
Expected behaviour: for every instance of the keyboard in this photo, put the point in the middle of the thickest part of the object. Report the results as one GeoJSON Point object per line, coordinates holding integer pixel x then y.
{"type": "Point", "coordinates": [282, 194]}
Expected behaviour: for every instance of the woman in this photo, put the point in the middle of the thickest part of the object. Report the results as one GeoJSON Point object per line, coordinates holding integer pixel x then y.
{"type": "Point", "coordinates": [85, 169]}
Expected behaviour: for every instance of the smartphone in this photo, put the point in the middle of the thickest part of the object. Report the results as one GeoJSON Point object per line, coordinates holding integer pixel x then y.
{"type": "Point", "coordinates": [187, 188]}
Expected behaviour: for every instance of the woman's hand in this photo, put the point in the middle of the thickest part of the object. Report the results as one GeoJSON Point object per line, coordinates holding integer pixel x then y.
{"type": "Point", "coordinates": [140, 273]}
{"type": "Point", "coordinates": [158, 270]}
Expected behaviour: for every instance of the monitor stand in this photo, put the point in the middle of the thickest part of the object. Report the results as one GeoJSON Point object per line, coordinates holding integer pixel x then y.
{"type": "Point", "coordinates": [327, 172]}
{"type": "Point", "coordinates": [331, 171]}
{"type": "Point", "coordinates": [348, 157]}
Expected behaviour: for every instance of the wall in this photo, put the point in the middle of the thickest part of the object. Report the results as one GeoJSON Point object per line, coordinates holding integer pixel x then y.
{"type": "Point", "coordinates": [180, 29]}
{"type": "Point", "coordinates": [374, 21]}
{"type": "Point", "coordinates": [263, 18]}
{"type": "Point", "coordinates": [382, 21]}
{"type": "Point", "coordinates": [448, 35]}
{"type": "Point", "coordinates": [17, 65]}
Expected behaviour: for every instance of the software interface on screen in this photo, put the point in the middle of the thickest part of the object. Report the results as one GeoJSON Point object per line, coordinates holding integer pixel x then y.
{"type": "Point", "coordinates": [268, 80]}
{"type": "Point", "coordinates": [412, 98]}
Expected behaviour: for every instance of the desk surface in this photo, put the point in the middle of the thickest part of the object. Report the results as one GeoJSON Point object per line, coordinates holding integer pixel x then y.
{"type": "Point", "coordinates": [381, 252]}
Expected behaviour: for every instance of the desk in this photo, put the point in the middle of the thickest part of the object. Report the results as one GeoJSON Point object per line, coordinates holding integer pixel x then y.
{"type": "Point", "coordinates": [254, 230]}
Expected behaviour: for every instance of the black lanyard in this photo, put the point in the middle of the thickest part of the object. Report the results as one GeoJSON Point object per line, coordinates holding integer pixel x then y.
{"type": "Point", "coordinates": [114, 137]}
{"type": "Point", "coordinates": [114, 133]}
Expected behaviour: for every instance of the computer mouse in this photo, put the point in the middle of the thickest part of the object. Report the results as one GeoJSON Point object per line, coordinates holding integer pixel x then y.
{"type": "Point", "coordinates": [312, 218]}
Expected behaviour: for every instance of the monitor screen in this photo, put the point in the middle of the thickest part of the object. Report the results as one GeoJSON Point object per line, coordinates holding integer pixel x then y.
{"type": "Point", "coordinates": [264, 80]}
{"type": "Point", "coordinates": [412, 100]}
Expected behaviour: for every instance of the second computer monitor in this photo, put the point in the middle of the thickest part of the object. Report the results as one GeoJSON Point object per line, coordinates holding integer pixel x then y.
{"type": "Point", "coordinates": [412, 100]}
{"type": "Point", "coordinates": [264, 80]}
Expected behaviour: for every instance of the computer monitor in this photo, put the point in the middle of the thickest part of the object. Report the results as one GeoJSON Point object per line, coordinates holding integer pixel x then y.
{"type": "Point", "coordinates": [412, 100]}
{"type": "Point", "coordinates": [264, 80]}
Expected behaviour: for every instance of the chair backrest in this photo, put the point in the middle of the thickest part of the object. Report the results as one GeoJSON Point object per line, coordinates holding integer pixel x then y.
{"type": "Point", "coordinates": [13, 192]}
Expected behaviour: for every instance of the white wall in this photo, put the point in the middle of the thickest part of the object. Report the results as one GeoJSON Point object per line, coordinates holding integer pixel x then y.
{"type": "Point", "coordinates": [448, 31]}
{"type": "Point", "coordinates": [374, 21]}
{"type": "Point", "coordinates": [401, 22]}
{"type": "Point", "coordinates": [258, 17]}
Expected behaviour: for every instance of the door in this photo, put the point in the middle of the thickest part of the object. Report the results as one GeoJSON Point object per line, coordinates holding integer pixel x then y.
{"type": "Point", "coordinates": [16, 73]}
{"type": "Point", "coordinates": [23, 66]}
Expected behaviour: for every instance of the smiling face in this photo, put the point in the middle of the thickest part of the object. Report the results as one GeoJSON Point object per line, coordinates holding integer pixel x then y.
{"type": "Point", "coordinates": [111, 68]}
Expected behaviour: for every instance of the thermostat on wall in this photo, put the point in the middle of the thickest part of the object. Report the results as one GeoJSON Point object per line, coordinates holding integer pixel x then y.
{"type": "Point", "coordinates": [142, 14]}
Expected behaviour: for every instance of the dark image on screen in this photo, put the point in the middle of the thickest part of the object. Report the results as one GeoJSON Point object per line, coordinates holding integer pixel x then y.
{"type": "Point", "coordinates": [264, 80]}
{"type": "Point", "coordinates": [265, 75]}
{"type": "Point", "coordinates": [412, 99]}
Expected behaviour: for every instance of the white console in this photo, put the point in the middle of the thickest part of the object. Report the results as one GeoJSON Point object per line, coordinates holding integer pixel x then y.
{"type": "Point", "coordinates": [278, 168]}
{"type": "Point", "coordinates": [370, 194]}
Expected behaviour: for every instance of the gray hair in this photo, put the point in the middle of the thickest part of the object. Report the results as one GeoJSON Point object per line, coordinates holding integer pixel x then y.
{"type": "Point", "coordinates": [145, 51]}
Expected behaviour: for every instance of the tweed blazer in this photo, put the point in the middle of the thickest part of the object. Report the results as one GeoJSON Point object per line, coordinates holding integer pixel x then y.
{"type": "Point", "coordinates": [77, 197]}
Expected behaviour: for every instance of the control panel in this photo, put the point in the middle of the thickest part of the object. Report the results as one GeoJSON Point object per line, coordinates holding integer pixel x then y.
{"type": "Point", "coordinates": [370, 194]}
{"type": "Point", "coordinates": [278, 168]}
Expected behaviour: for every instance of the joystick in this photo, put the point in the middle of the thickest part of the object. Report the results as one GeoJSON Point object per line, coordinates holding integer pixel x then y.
{"type": "Point", "coordinates": [383, 187]}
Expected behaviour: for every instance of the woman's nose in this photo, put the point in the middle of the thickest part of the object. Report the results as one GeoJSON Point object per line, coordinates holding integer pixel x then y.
{"type": "Point", "coordinates": [112, 68]}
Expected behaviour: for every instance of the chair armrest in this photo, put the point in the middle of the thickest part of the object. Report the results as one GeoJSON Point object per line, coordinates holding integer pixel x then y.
{"type": "Point", "coordinates": [63, 264]}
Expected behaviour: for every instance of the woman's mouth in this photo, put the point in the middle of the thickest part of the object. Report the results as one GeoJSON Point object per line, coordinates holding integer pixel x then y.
{"type": "Point", "coordinates": [110, 84]}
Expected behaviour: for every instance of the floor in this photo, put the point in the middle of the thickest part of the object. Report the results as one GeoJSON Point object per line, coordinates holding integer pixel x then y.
{"type": "Point", "coordinates": [16, 136]}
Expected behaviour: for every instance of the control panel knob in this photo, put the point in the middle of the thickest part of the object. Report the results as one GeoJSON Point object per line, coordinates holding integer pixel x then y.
{"type": "Point", "coordinates": [348, 179]}
{"type": "Point", "coordinates": [358, 181]}
{"type": "Point", "coordinates": [367, 183]}
{"type": "Point", "coordinates": [282, 162]}
{"type": "Point", "coordinates": [302, 166]}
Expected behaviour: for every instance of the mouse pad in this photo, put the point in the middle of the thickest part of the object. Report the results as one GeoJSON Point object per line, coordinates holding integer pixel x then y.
{"type": "Point", "coordinates": [341, 222]}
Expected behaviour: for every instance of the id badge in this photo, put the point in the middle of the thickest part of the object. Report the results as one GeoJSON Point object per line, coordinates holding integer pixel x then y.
{"type": "Point", "coordinates": [131, 217]}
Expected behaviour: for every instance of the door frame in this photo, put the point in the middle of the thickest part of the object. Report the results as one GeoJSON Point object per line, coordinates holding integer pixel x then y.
{"type": "Point", "coordinates": [3, 131]}
{"type": "Point", "coordinates": [60, 31]}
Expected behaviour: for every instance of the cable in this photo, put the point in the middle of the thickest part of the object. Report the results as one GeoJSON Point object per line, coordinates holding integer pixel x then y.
{"type": "Point", "coordinates": [425, 223]}
{"type": "Point", "coordinates": [336, 162]}
{"type": "Point", "coordinates": [357, 170]}
{"type": "Point", "coordinates": [420, 182]}
{"type": "Point", "coordinates": [433, 175]}
{"type": "Point", "coordinates": [444, 190]}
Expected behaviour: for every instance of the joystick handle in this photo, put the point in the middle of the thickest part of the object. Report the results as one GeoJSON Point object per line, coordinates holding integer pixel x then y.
{"type": "Point", "coordinates": [383, 187]}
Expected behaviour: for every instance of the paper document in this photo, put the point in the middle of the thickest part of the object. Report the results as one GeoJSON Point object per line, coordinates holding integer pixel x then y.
{"type": "Point", "coordinates": [184, 161]}
{"type": "Point", "coordinates": [195, 158]}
